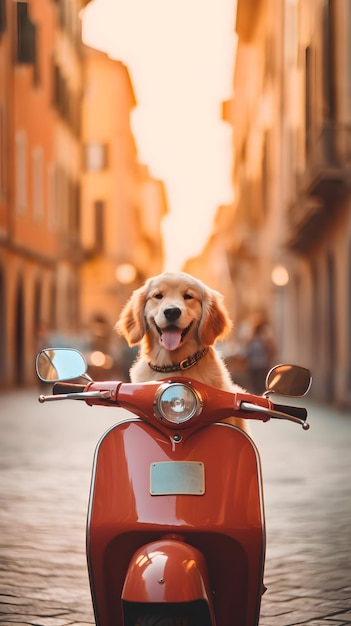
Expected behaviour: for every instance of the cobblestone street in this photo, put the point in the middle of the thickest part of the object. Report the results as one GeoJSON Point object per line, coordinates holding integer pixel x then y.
{"type": "Point", "coordinates": [45, 458]}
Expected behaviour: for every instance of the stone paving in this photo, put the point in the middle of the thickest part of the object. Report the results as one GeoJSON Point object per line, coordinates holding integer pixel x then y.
{"type": "Point", "coordinates": [308, 513]}
{"type": "Point", "coordinates": [45, 459]}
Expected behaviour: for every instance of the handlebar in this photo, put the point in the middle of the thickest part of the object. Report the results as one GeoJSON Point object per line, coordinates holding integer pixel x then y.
{"type": "Point", "coordinates": [75, 391]}
{"type": "Point", "coordinates": [296, 411]}
{"type": "Point", "coordinates": [139, 398]}
{"type": "Point", "coordinates": [280, 411]}
{"type": "Point", "coordinates": [67, 388]}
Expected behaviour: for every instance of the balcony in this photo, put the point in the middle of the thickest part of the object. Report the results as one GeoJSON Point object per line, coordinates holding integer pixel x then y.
{"type": "Point", "coordinates": [323, 184]}
{"type": "Point", "coordinates": [328, 167]}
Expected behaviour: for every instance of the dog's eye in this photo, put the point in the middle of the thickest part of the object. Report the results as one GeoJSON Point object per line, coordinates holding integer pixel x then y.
{"type": "Point", "coordinates": [158, 296]}
{"type": "Point", "coordinates": [187, 296]}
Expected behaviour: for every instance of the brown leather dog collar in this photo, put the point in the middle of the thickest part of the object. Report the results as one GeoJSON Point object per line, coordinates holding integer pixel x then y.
{"type": "Point", "coordinates": [182, 365]}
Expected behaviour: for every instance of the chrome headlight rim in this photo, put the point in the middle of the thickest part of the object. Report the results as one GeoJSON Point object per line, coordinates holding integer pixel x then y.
{"type": "Point", "coordinates": [178, 421]}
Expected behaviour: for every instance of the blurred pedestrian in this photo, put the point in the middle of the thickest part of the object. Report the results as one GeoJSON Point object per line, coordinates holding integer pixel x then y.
{"type": "Point", "coordinates": [260, 353]}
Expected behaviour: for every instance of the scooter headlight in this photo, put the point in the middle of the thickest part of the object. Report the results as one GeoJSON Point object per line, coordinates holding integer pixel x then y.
{"type": "Point", "coordinates": [177, 403]}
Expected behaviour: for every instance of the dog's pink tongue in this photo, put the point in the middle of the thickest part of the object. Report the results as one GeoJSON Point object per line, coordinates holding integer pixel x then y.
{"type": "Point", "coordinates": [171, 339]}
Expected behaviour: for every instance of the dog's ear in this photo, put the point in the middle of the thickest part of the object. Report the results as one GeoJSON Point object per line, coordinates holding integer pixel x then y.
{"type": "Point", "coordinates": [215, 322]}
{"type": "Point", "coordinates": [131, 323]}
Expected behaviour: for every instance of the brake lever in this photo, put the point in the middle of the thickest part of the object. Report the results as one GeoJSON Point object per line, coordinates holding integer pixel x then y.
{"type": "Point", "coordinates": [247, 406]}
{"type": "Point", "coordinates": [83, 395]}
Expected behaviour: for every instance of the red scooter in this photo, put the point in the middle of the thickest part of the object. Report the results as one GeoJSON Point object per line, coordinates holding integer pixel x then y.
{"type": "Point", "coordinates": [175, 528]}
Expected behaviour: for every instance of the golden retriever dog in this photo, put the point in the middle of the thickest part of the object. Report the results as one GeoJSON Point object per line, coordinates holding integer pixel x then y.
{"type": "Point", "coordinates": [176, 319]}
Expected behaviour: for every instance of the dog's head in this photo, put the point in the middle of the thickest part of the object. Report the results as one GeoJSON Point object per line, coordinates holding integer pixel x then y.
{"type": "Point", "coordinates": [172, 310]}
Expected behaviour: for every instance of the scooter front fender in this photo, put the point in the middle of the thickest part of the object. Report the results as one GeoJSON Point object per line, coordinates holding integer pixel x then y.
{"type": "Point", "coordinates": [167, 571]}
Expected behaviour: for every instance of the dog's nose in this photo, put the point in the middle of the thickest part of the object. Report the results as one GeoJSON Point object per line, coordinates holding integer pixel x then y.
{"type": "Point", "coordinates": [172, 313]}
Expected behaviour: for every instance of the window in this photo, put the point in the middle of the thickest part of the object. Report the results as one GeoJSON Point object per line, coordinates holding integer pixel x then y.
{"type": "Point", "coordinates": [95, 156]}
{"type": "Point", "coordinates": [308, 98]}
{"type": "Point", "coordinates": [329, 28]}
{"type": "Point", "coordinates": [2, 154]}
{"type": "Point", "coordinates": [74, 208]}
{"type": "Point", "coordinates": [66, 102]}
{"type": "Point", "coordinates": [38, 181]}
{"type": "Point", "coordinates": [99, 215]}
{"type": "Point", "coordinates": [3, 22]}
{"type": "Point", "coordinates": [61, 200]}
{"type": "Point", "coordinates": [52, 198]}
{"type": "Point", "coordinates": [21, 172]}
{"type": "Point", "coordinates": [26, 35]}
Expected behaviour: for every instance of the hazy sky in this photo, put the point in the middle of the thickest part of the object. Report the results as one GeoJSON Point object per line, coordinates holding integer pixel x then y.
{"type": "Point", "coordinates": [180, 55]}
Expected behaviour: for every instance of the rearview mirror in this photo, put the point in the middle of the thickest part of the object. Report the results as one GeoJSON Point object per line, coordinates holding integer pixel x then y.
{"type": "Point", "coordinates": [289, 380]}
{"type": "Point", "coordinates": [55, 364]}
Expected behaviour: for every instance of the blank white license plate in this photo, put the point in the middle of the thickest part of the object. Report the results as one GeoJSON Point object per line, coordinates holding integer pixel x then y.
{"type": "Point", "coordinates": [177, 478]}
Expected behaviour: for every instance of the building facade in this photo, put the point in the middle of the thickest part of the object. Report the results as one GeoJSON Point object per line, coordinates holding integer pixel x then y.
{"type": "Point", "coordinates": [40, 94]}
{"type": "Point", "coordinates": [318, 211]}
{"type": "Point", "coordinates": [288, 256]}
{"type": "Point", "coordinates": [76, 206]}
{"type": "Point", "coordinates": [123, 205]}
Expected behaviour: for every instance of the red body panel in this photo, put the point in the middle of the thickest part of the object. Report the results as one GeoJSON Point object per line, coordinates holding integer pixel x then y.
{"type": "Point", "coordinates": [225, 523]}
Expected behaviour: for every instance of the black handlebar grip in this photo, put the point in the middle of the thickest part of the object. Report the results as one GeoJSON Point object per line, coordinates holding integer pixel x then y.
{"type": "Point", "coordinates": [295, 411]}
{"type": "Point", "coordinates": [63, 388]}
